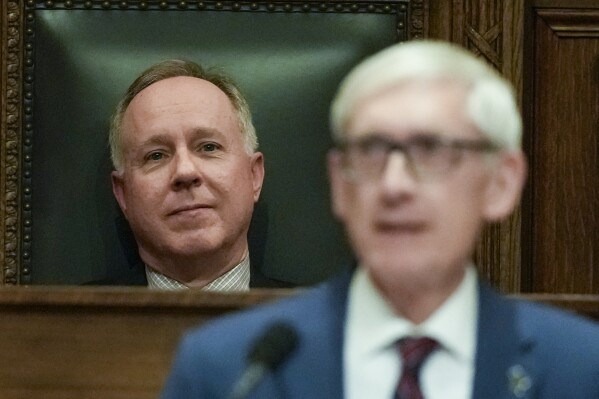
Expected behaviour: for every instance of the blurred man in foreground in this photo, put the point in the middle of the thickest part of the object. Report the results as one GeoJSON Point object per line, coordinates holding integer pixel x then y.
{"type": "Point", "coordinates": [428, 150]}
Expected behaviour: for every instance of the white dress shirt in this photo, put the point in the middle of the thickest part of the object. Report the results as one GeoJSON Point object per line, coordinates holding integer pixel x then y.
{"type": "Point", "coordinates": [372, 362]}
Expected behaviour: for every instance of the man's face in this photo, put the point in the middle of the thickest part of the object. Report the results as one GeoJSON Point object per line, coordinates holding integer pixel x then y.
{"type": "Point", "coordinates": [188, 186]}
{"type": "Point", "coordinates": [407, 228]}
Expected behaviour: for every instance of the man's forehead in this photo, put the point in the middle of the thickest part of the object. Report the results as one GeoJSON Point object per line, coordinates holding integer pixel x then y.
{"type": "Point", "coordinates": [182, 94]}
{"type": "Point", "coordinates": [180, 104]}
{"type": "Point", "coordinates": [179, 87]}
{"type": "Point", "coordinates": [440, 87]}
{"type": "Point", "coordinates": [412, 105]}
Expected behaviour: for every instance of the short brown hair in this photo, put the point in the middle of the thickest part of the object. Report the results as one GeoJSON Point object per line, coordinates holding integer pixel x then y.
{"type": "Point", "coordinates": [174, 68]}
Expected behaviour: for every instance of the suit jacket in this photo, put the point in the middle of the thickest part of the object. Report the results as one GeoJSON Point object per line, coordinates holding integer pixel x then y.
{"type": "Point", "coordinates": [524, 350]}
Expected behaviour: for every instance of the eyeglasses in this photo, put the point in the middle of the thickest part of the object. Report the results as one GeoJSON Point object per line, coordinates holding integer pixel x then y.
{"type": "Point", "coordinates": [428, 157]}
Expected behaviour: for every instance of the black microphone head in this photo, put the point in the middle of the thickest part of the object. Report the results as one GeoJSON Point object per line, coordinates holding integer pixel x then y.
{"type": "Point", "coordinates": [271, 348]}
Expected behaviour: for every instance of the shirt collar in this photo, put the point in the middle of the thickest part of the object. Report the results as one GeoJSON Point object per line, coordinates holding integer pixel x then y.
{"type": "Point", "coordinates": [372, 322]}
{"type": "Point", "coordinates": [236, 279]}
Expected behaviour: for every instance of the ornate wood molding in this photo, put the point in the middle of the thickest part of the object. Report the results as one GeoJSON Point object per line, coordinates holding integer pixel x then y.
{"type": "Point", "coordinates": [418, 19]}
{"type": "Point", "coordinates": [571, 23]}
{"type": "Point", "coordinates": [478, 26]}
{"type": "Point", "coordinates": [10, 138]}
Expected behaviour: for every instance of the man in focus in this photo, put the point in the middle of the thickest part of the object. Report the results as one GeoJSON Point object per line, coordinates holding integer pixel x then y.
{"type": "Point", "coordinates": [187, 175]}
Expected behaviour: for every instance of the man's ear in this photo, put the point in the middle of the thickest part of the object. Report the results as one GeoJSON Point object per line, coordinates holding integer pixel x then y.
{"type": "Point", "coordinates": [118, 189]}
{"type": "Point", "coordinates": [337, 184]}
{"type": "Point", "coordinates": [257, 168]}
{"type": "Point", "coordinates": [505, 187]}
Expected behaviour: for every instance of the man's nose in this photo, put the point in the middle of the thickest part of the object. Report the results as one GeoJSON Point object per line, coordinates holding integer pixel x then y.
{"type": "Point", "coordinates": [186, 171]}
{"type": "Point", "coordinates": [397, 176]}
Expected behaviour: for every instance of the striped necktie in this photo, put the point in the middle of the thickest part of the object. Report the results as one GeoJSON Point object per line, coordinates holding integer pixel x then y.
{"type": "Point", "coordinates": [414, 352]}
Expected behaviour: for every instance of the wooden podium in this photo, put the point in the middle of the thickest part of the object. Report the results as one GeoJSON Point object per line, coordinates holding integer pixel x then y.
{"type": "Point", "coordinates": [117, 342]}
{"type": "Point", "coordinates": [60, 343]}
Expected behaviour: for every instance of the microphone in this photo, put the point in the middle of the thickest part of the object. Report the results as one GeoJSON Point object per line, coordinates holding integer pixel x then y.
{"type": "Point", "coordinates": [266, 354]}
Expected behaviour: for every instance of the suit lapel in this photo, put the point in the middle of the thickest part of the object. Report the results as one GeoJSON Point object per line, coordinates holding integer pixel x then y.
{"type": "Point", "coordinates": [503, 365]}
{"type": "Point", "coordinates": [319, 373]}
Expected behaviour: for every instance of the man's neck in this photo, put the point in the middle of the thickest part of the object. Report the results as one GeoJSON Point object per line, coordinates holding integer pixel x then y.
{"type": "Point", "coordinates": [198, 270]}
{"type": "Point", "coordinates": [237, 279]}
{"type": "Point", "coordinates": [418, 297]}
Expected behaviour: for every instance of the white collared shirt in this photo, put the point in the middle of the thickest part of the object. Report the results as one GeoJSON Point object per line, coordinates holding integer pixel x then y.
{"type": "Point", "coordinates": [371, 362]}
{"type": "Point", "coordinates": [236, 279]}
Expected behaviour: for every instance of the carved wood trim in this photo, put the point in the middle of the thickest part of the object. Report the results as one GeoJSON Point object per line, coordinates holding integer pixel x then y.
{"type": "Point", "coordinates": [478, 26]}
{"type": "Point", "coordinates": [571, 23]}
{"type": "Point", "coordinates": [12, 33]}
{"type": "Point", "coordinates": [418, 19]}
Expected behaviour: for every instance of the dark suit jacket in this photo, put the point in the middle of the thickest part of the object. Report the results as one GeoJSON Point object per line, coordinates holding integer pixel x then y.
{"type": "Point", "coordinates": [543, 352]}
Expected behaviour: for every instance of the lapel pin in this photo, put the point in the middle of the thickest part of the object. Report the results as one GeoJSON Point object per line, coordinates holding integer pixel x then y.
{"type": "Point", "coordinates": [518, 380]}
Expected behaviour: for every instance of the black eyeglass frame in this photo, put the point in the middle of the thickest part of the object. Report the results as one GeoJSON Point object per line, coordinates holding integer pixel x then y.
{"type": "Point", "coordinates": [434, 142]}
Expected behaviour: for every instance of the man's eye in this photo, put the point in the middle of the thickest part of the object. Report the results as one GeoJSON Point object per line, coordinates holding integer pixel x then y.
{"type": "Point", "coordinates": [210, 147]}
{"type": "Point", "coordinates": [155, 156]}
{"type": "Point", "coordinates": [373, 146]}
{"type": "Point", "coordinates": [426, 144]}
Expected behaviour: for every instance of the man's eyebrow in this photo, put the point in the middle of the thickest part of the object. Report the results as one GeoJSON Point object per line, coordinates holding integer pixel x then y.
{"type": "Point", "coordinates": [158, 139]}
{"type": "Point", "coordinates": [199, 132]}
{"type": "Point", "coordinates": [206, 132]}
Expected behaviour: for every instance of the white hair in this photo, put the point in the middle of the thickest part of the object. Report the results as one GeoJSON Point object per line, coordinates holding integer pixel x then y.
{"type": "Point", "coordinates": [491, 103]}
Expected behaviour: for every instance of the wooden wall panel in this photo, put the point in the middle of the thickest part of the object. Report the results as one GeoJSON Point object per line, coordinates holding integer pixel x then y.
{"type": "Point", "coordinates": [491, 29]}
{"type": "Point", "coordinates": [565, 146]}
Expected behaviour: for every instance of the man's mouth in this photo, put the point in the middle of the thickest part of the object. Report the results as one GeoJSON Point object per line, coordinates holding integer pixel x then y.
{"type": "Point", "coordinates": [400, 227]}
{"type": "Point", "coordinates": [188, 208]}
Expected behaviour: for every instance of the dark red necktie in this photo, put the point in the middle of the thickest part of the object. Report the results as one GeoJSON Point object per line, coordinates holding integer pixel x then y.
{"type": "Point", "coordinates": [414, 352]}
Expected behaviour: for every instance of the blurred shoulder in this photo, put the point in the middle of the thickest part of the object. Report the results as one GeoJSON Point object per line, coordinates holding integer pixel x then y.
{"type": "Point", "coordinates": [307, 311]}
{"type": "Point", "coordinates": [558, 330]}
{"type": "Point", "coordinates": [542, 316]}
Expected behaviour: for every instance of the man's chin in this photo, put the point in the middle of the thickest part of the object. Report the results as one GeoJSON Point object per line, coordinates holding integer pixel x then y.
{"type": "Point", "coordinates": [181, 251]}
{"type": "Point", "coordinates": [192, 250]}
{"type": "Point", "coordinates": [393, 262]}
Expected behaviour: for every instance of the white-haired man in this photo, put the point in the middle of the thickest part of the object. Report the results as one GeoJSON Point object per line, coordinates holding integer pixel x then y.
{"type": "Point", "coordinates": [428, 150]}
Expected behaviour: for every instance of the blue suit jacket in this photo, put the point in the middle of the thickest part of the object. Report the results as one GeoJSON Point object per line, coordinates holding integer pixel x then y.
{"type": "Point", "coordinates": [524, 350]}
